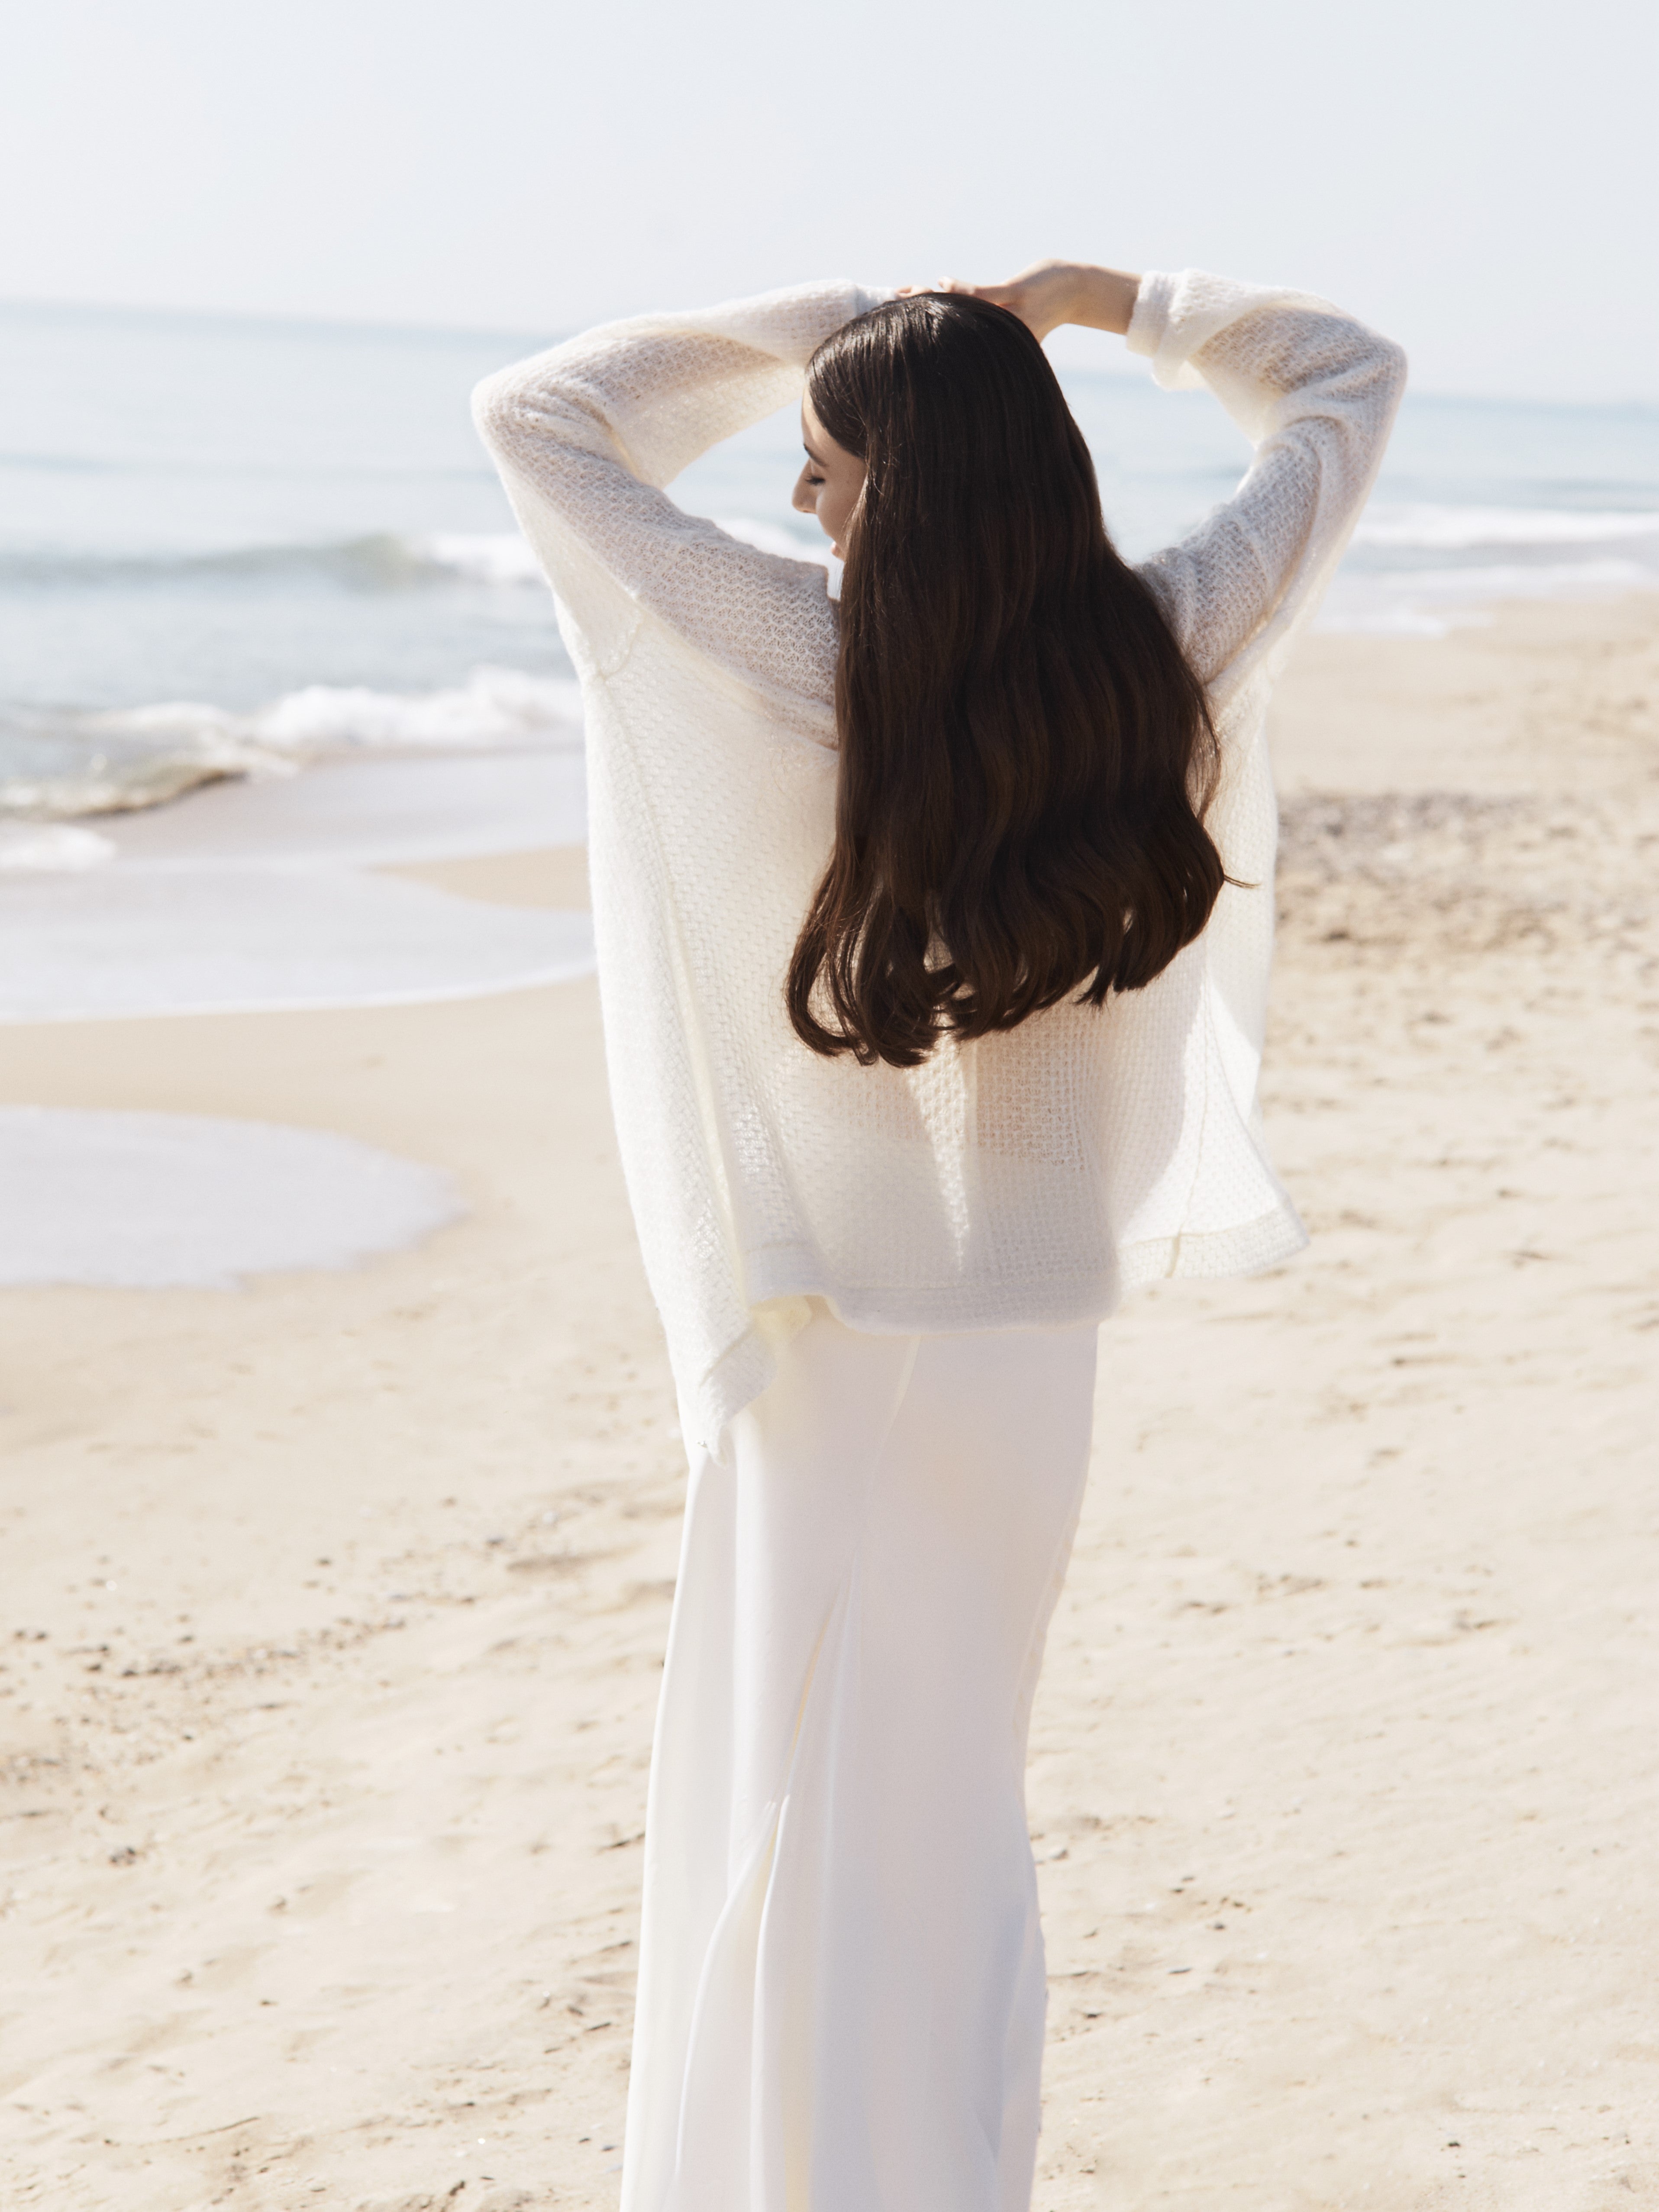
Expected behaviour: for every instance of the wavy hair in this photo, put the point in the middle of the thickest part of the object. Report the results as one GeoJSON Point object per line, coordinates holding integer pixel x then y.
{"type": "Point", "coordinates": [1026, 758]}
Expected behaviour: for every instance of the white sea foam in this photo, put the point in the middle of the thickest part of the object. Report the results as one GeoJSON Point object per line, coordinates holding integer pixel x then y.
{"type": "Point", "coordinates": [142, 757]}
{"type": "Point", "coordinates": [498, 706]}
{"type": "Point", "coordinates": [1431, 528]}
{"type": "Point", "coordinates": [168, 1201]}
{"type": "Point", "coordinates": [50, 847]}
{"type": "Point", "coordinates": [503, 557]}
{"type": "Point", "coordinates": [493, 557]}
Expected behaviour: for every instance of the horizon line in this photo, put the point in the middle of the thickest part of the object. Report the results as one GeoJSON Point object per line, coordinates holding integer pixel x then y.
{"type": "Point", "coordinates": [274, 320]}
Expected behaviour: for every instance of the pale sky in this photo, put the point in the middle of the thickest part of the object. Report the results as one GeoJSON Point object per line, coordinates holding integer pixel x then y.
{"type": "Point", "coordinates": [1476, 179]}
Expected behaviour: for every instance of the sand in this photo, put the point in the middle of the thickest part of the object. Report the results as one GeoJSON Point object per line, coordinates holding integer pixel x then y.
{"type": "Point", "coordinates": [335, 1605]}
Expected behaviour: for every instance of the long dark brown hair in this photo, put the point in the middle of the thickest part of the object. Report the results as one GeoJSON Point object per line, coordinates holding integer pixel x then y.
{"type": "Point", "coordinates": [1026, 757]}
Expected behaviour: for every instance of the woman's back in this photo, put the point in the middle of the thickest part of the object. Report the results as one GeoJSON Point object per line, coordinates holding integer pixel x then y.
{"type": "Point", "coordinates": [1029, 1176]}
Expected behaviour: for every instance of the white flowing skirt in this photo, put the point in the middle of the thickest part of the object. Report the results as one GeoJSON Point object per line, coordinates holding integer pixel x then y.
{"type": "Point", "coordinates": [842, 1989]}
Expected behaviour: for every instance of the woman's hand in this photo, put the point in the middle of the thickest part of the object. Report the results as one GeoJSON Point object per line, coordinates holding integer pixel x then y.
{"type": "Point", "coordinates": [1050, 293]}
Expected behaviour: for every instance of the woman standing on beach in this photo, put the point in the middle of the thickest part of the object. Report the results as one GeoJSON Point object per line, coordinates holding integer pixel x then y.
{"type": "Point", "coordinates": [933, 935]}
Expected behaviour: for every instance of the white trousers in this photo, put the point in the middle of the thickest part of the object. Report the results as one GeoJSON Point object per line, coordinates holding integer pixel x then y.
{"type": "Point", "coordinates": [842, 1989]}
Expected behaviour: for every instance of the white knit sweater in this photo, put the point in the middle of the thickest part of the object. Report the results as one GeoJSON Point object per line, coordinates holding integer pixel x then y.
{"type": "Point", "coordinates": [1025, 1179]}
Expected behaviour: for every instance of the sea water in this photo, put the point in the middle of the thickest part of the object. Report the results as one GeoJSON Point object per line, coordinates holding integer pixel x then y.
{"type": "Point", "coordinates": [230, 543]}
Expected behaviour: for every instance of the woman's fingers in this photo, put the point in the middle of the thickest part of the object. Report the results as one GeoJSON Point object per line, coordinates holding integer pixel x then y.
{"type": "Point", "coordinates": [1022, 295]}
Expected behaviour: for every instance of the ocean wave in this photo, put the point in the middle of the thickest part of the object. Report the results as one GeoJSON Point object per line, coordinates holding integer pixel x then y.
{"type": "Point", "coordinates": [382, 561]}
{"type": "Point", "coordinates": [497, 706]}
{"type": "Point", "coordinates": [1459, 529]}
{"type": "Point", "coordinates": [142, 757]}
{"type": "Point", "coordinates": [110, 783]}
{"type": "Point", "coordinates": [503, 557]}
{"type": "Point", "coordinates": [483, 557]}
{"type": "Point", "coordinates": [501, 560]}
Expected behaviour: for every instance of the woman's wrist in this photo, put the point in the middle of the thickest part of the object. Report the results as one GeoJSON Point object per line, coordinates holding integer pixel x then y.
{"type": "Point", "coordinates": [1050, 293]}
{"type": "Point", "coordinates": [1103, 299]}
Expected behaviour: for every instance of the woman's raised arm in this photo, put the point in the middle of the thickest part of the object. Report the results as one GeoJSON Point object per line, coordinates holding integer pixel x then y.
{"type": "Point", "coordinates": [586, 436]}
{"type": "Point", "coordinates": [1316, 392]}
{"type": "Point", "coordinates": [1050, 293]}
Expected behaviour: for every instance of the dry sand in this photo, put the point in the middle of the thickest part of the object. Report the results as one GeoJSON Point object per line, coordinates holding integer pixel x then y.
{"type": "Point", "coordinates": [335, 1606]}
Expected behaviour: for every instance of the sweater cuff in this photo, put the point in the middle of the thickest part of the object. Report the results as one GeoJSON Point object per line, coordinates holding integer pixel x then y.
{"type": "Point", "coordinates": [1151, 318]}
{"type": "Point", "coordinates": [1150, 331]}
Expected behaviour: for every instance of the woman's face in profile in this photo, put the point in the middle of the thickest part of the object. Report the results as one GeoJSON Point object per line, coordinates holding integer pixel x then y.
{"type": "Point", "coordinates": [830, 484]}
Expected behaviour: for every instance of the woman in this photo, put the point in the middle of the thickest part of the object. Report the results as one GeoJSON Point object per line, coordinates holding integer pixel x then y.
{"type": "Point", "coordinates": [934, 936]}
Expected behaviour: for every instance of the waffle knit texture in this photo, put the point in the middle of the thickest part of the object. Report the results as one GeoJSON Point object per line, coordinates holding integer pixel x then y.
{"type": "Point", "coordinates": [1027, 1179]}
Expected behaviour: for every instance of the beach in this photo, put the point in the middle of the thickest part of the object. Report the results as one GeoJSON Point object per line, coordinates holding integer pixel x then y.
{"type": "Point", "coordinates": [338, 1598]}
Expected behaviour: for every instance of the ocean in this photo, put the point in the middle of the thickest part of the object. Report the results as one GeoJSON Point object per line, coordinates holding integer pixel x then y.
{"type": "Point", "coordinates": [230, 543]}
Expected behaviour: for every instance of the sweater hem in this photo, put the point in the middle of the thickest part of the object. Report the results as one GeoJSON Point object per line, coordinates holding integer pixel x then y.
{"type": "Point", "coordinates": [783, 1278]}
{"type": "Point", "coordinates": [781, 1273]}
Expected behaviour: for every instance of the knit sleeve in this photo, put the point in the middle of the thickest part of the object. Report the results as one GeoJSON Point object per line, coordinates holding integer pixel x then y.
{"type": "Point", "coordinates": [1316, 392]}
{"type": "Point", "coordinates": [585, 437]}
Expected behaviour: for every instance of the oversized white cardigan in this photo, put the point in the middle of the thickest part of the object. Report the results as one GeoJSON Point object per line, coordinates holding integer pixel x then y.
{"type": "Point", "coordinates": [1022, 1181]}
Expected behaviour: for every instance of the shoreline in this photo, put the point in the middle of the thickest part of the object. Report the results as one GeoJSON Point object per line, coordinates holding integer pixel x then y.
{"type": "Point", "coordinates": [328, 890]}
{"type": "Point", "coordinates": [339, 1600]}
